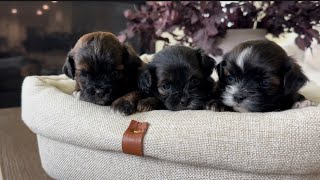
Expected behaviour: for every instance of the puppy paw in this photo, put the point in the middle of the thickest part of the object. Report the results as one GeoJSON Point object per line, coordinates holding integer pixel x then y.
{"type": "Point", "coordinates": [214, 106]}
{"type": "Point", "coordinates": [148, 104]}
{"type": "Point", "coordinates": [127, 104]}
{"type": "Point", "coordinates": [76, 94]}
{"type": "Point", "coordinates": [124, 106]}
{"type": "Point", "coordinates": [303, 104]}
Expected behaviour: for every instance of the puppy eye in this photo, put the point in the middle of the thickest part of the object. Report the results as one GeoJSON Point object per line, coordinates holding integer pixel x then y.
{"type": "Point", "coordinates": [84, 74]}
{"type": "Point", "coordinates": [166, 86]}
{"type": "Point", "coordinates": [229, 78]}
{"type": "Point", "coordinates": [264, 83]}
{"type": "Point", "coordinates": [195, 81]}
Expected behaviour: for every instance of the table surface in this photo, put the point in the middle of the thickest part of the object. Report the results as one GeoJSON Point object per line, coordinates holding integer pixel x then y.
{"type": "Point", "coordinates": [19, 157]}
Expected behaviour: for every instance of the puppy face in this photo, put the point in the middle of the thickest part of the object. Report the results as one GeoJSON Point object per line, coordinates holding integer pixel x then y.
{"type": "Point", "coordinates": [257, 76]}
{"type": "Point", "coordinates": [180, 77]}
{"type": "Point", "coordinates": [103, 68]}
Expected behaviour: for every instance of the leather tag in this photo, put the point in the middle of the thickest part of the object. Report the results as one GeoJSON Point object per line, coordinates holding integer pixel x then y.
{"type": "Point", "coordinates": [132, 140]}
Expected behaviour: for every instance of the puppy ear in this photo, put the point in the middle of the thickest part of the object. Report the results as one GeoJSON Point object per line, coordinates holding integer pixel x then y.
{"type": "Point", "coordinates": [145, 81]}
{"type": "Point", "coordinates": [130, 58]}
{"type": "Point", "coordinates": [220, 69]}
{"type": "Point", "coordinates": [294, 78]}
{"type": "Point", "coordinates": [207, 63]}
{"type": "Point", "coordinates": [69, 67]}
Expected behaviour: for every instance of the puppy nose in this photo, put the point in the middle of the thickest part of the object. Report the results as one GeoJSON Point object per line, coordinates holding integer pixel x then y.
{"type": "Point", "coordinates": [184, 101]}
{"type": "Point", "coordinates": [239, 97]}
{"type": "Point", "coordinates": [99, 92]}
{"type": "Point", "coordinates": [102, 92]}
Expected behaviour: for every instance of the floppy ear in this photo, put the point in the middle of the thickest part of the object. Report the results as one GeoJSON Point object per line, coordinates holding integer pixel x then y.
{"type": "Point", "coordinates": [69, 67]}
{"type": "Point", "coordinates": [294, 78]}
{"type": "Point", "coordinates": [130, 59]}
{"type": "Point", "coordinates": [220, 69]}
{"type": "Point", "coordinates": [145, 81]}
{"type": "Point", "coordinates": [207, 63]}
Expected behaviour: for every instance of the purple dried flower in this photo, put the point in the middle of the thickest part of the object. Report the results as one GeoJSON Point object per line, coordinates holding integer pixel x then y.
{"type": "Point", "coordinates": [206, 21]}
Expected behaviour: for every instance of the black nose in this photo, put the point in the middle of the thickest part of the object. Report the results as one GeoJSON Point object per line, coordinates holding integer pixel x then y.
{"type": "Point", "coordinates": [184, 101]}
{"type": "Point", "coordinates": [239, 97]}
{"type": "Point", "coordinates": [101, 92]}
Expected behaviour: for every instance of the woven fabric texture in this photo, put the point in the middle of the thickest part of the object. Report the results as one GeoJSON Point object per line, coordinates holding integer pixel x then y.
{"type": "Point", "coordinates": [282, 143]}
{"type": "Point", "coordinates": [65, 161]}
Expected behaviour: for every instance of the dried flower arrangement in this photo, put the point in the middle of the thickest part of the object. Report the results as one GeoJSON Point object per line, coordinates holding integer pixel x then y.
{"type": "Point", "coordinates": [204, 22]}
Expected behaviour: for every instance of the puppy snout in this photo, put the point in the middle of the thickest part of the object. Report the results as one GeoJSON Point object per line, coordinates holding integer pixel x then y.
{"type": "Point", "coordinates": [239, 97]}
{"type": "Point", "coordinates": [101, 92]}
{"type": "Point", "coordinates": [184, 101]}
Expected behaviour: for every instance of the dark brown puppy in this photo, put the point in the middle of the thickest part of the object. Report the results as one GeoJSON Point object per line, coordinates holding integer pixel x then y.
{"type": "Point", "coordinates": [259, 76]}
{"type": "Point", "coordinates": [103, 68]}
{"type": "Point", "coordinates": [178, 78]}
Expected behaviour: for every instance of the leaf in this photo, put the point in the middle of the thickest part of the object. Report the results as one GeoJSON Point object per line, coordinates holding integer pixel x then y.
{"type": "Point", "coordinates": [143, 9]}
{"type": "Point", "coordinates": [286, 4]}
{"type": "Point", "coordinates": [185, 2]}
{"type": "Point", "coordinates": [314, 33]}
{"type": "Point", "coordinates": [198, 35]}
{"type": "Point", "coordinates": [174, 18]}
{"type": "Point", "coordinates": [194, 18]}
{"type": "Point", "coordinates": [307, 40]}
{"type": "Point", "coordinates": [300, 42]}
{"type": "Point", "coordinates": [211, 29]}
{"type": "Point", "coordinates": [203, 5]}
{"type": "Point", "coordinates": [305, 5]}
{"type": "Point", "coordinates": [150, 3]}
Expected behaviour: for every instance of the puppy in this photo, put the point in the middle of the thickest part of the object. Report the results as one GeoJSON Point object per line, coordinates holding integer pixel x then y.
{"type": "Point", "coordinates": [178, 78]}
{"type": "Point", "coordinates": [103, 68]}
{"type": "Point", "coordinates": [258, 76]}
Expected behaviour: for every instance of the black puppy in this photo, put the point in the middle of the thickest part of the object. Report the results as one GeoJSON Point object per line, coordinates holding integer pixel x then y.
{"type": "Point", "coordinates": [103, 68]}
{"type": "Point", "coordinates": [178, 78]}
{"type": "Point", "coordinates": [259, 76]}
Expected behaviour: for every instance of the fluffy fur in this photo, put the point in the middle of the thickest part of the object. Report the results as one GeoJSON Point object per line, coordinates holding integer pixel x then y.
{"type": "Point", "coordinates": [103, 68]}
{"type": "Point", "coordinates": [258, 76]}
{"type": "Point", "coordinates": [178, 78]}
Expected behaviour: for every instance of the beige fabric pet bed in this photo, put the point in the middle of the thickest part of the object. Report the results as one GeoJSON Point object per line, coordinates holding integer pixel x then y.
{"type": "Point", "coordinates": [80, 140]}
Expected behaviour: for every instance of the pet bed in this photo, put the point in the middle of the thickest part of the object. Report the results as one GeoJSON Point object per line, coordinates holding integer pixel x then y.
{"type": "Point", "coordinates": [81, 140]}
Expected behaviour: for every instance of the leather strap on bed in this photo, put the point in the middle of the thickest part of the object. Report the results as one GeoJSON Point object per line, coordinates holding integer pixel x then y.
{"type": "Point", "coordinates": [132, 140]}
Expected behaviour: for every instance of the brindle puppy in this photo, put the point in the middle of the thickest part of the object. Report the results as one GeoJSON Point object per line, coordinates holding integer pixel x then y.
{"type": "Point", "coordinates": [104, 70]}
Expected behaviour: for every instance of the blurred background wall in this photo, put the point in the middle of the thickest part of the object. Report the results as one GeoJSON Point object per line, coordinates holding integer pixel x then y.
{"type": "Point", "coordinates": [35, 36]}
